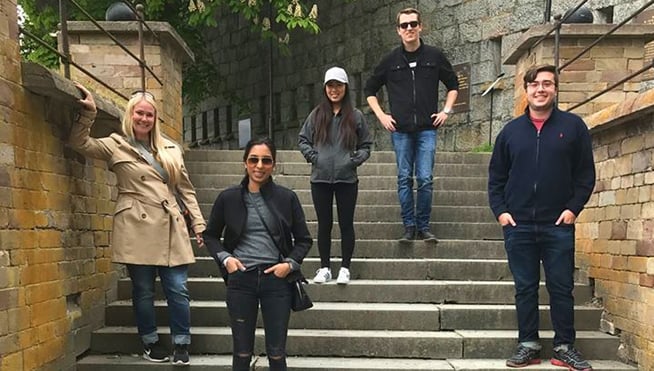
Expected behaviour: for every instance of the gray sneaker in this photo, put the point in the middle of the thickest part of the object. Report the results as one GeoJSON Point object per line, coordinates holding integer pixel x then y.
{"type": "Point", "coordinates": [523, 357]}
{"type": "Point", "coordinates": [570, 358]}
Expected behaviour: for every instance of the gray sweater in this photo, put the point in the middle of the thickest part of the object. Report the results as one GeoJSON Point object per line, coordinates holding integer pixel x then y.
{"type": "Point", "coordinates": [332, 162]}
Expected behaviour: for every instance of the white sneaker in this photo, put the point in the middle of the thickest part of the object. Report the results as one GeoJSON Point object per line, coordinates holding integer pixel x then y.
{"type": "Point", "coordinates": [322, 275]}
{"type": "Point", "coordinates": [343, 276]}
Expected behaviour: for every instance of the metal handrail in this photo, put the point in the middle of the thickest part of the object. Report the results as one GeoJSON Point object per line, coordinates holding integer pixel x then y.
{"type": "Point", "coordinates": [625, 79]}
{"type": "Point", "coordinates": [65, 54]}
{"type": "Point", "coordinates": [612, 30]}
{"type": "Point", "coordinates": [86, 72]}
{"type": "Point", "coordinates": [590, 46]}
{"type": "Point", "coordinates": [557, 23]}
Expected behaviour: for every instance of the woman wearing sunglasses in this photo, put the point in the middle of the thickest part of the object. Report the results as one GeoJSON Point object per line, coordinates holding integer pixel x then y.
{"type": "Point", "coordinates": [149, 235]}
{"type": "Point", "coordinates": [265, 239]}
{"type": "Point", "coordinates": [335, 140]}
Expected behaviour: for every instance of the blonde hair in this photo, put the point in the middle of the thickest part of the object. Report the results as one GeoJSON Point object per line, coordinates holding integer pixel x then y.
{"type": "Point", "coordinates": [161, 154]}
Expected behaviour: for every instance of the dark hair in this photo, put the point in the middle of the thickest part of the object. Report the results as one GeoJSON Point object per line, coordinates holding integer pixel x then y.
{"type": "Point", "coordinates": [323, 118]}
{"type": "Point", "coordinates": [407, 11]}
{"type": "Point", "coordinates": [533, 71]}
{"type": "Point", "coordinates": [255, 142]}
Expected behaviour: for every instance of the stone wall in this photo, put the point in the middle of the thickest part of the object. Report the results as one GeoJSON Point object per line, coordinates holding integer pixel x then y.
{"type": "Point", "coordinates": [55, 216]}
{"type": "Point", "coordinates": [615, 233]}
{"type": "Point", "coordinates": [476, 32]}
{"type": "Point", "coordinates": [56, 208]}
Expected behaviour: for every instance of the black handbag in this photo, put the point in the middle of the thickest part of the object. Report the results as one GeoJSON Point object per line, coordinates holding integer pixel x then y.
{"type": "Point", "coordinates": [186, 214]}
{"type": "Point", "coordinates": [300, 300]}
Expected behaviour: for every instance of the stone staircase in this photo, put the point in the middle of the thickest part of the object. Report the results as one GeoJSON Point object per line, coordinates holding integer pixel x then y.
{"type": "Point", "coordinates": [417, 306]}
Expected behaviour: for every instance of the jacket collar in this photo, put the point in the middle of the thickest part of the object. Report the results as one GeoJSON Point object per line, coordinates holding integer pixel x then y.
{"type": "Point", "coordinates": [265, 190]}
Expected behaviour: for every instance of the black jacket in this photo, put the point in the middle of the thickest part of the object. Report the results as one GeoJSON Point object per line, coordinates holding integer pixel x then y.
{"type": "Point", "coordinates": [535, 177]}
{"type": "Point", "coordinates": [229, 215]}
{"type": "Point", "coordinates": [413, 93]}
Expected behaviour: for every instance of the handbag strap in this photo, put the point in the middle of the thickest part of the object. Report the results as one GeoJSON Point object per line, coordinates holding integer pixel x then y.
{"type": "Point", "coordinates": [150, 159]}
{"type": "Point", "coordinates": [263, 220]}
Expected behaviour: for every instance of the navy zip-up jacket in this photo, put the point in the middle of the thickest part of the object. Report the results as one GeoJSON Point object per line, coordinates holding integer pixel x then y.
{"type": "Point", "coordinates": [413, 92]}
{"type": "Point", "coordinates": [536, 176]}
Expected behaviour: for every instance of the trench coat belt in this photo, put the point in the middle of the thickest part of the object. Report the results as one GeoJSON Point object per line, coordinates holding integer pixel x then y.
{"type": "Point", "coordinates": [164, 204]}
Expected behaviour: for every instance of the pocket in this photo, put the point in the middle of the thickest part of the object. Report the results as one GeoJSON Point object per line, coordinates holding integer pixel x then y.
{"type": "Point", "coordinates": [123, 205]}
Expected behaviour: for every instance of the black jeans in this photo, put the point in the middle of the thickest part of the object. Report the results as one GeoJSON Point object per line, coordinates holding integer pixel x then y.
{"type": "Point", "coordinates": [346, 198]}
{"type": "Point", "coordinates": [245, 290]}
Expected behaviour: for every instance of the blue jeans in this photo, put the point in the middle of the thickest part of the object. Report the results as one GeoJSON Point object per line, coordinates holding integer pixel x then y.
{"type": "Point", "coordinates": [245, 290]}
{"type": "Point", "coordinates": [414, 153]}
{"type": "Point", "coordinates": [526, 246]}
{"type": "Point", "coordinates": [173, 281]}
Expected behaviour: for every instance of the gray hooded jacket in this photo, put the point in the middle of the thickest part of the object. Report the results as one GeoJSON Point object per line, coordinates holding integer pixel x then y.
{"type": "Point", "coordinates": [332, 162]}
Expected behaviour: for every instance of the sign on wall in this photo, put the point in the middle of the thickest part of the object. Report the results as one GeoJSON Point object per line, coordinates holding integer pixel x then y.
{"type": "Point", "coordinates": [463, 99]}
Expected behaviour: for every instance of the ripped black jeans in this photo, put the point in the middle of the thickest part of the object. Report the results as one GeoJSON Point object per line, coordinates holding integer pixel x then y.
{"type": "Point", "coordinates": [245, 290]}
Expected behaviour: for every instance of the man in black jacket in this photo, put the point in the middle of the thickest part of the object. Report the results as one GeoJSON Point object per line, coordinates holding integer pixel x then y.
{"type": "Point", "coordinates": [411, 74]}
{"type": "Point", "coordinates": [541, 175]}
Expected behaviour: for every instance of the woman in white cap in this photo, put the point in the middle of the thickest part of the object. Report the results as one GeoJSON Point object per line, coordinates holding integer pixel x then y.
{"type": "Point", "coordinates": [335, 140]}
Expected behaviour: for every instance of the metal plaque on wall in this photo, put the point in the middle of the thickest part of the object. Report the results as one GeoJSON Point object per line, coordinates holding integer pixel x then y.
{"type": "Point", "coordinates": [463, 99]}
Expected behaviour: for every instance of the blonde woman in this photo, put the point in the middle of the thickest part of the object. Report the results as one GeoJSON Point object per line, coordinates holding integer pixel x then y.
{"type": "Point", "coordinates": [149, 232]}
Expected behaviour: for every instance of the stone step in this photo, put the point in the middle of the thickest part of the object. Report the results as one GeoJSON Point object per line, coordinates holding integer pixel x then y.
{"type": "Point", "coordinates": [383, 291]}
{"type": "Point", "coordinates": [295, 156]}
{"type": "Point", "coordinates": [463, 344]}
{"type": "Point", "coordinates": [375, 197]}
{"type": "Point", "coordinates": [452, 249]}
{"type": "Point", "coordinates": [383, 213]}
{"type": "Point", "coordinates": [367, 169]}
{"type": "Point", "coordinates": [442, 230]}
{"type": "Point", "coordinates": [367, 316]}
{"type": "Point", "coordinates": [403, 269]}
{"type": "Point", "coordinates": [224, 362]}
{"type": "Point", "coordinates": [220, 181]}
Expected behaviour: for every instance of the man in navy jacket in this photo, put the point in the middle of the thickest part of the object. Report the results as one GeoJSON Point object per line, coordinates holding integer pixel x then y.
{"type": "Point", "coordinates": [541, 175]}
{"type": "Point", "coordinates": [411, 74]}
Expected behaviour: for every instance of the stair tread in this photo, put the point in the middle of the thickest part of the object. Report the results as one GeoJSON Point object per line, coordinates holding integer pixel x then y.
{"type": "Point", "coordinates": [350, 363]}
{"type": "Point", "coordinates": [362, 306]}
{"type": "Point", "coordinates": [452, 334]}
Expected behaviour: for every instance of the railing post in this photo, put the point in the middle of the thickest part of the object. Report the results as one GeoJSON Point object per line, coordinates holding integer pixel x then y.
{"type": "Point", "coordinates": [548, 11]}
{"type": "Point", "coordinates": [139, 9]}
{"type": "Point", "coordinates": [65, 48]}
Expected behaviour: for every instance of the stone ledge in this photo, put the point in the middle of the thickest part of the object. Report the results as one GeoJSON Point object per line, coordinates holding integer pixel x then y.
{"type": "Point", "coordinates": [588, 31]}
{"type": "Point", "coordinates": [627, 111]}
{"type": "Point", "coordinates": [161, 29]}
{"type": "Point", "coordinates": [47, 83]}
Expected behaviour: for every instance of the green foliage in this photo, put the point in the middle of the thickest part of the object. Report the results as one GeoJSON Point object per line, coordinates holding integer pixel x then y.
{"type": "Point", "coordinates": [190, 18]}
{"type": "Point", "coordinates": [486, 147]}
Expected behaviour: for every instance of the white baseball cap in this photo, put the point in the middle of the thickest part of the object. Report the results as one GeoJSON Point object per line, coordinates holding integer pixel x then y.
{"type": "Point", "coordinates": [336, 73]}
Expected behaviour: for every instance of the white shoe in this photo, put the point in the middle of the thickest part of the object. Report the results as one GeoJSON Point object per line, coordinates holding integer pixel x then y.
{"type": "Point", "coordinates": [322, 275]}
{"type": "Point", "coordinates": [343, 276]}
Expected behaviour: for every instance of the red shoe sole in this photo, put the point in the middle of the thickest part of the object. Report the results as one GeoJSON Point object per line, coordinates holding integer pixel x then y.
{"type": "Point", "coordinates": [559, 363]}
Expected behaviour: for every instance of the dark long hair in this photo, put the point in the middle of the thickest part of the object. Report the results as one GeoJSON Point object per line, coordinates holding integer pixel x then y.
{"type": "Point", "coordinates": [323, 117]}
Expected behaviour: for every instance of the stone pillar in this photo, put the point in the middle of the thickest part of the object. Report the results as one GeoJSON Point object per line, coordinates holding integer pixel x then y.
{"type": "Point", "coordinates": [614, 58]}
{"type": "Point", "coordinates": [165, 53]}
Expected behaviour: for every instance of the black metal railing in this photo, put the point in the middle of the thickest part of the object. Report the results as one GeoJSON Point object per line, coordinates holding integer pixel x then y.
{"type": "Point", "coordinates": [556, 28]}
{"type": "Point", "coordinates": [65, 56]}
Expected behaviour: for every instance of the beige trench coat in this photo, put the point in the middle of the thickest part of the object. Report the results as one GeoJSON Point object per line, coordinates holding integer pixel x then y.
{"type": "Point", "coordinates": [148, 227]}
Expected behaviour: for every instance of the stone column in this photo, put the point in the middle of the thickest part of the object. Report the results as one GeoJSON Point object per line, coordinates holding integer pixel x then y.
{"type": "Point", "coordinates": [165, 53]}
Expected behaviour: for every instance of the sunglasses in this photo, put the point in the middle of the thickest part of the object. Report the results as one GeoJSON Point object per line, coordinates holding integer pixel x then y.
{"type": "Point", "coordinates": [144, 93]}
{"type": "Point", "coordinates": [266, 161]}
{"type": "Point", "coordinates": [405, 25]}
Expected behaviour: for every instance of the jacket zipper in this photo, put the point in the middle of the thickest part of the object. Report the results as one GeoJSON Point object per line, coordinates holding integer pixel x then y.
{"type": "Point", "coordinates": [535, 180]}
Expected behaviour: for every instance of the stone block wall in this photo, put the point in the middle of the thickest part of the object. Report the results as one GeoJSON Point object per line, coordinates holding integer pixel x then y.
{"type": "Point", "coordinates": [55, 217]}
{"type": "Point", "coordinates": [56, 207]}
{"type": "Point", "coordinates": [615, 233]}
{"type": "Point", "coordinates": [480, 33]}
